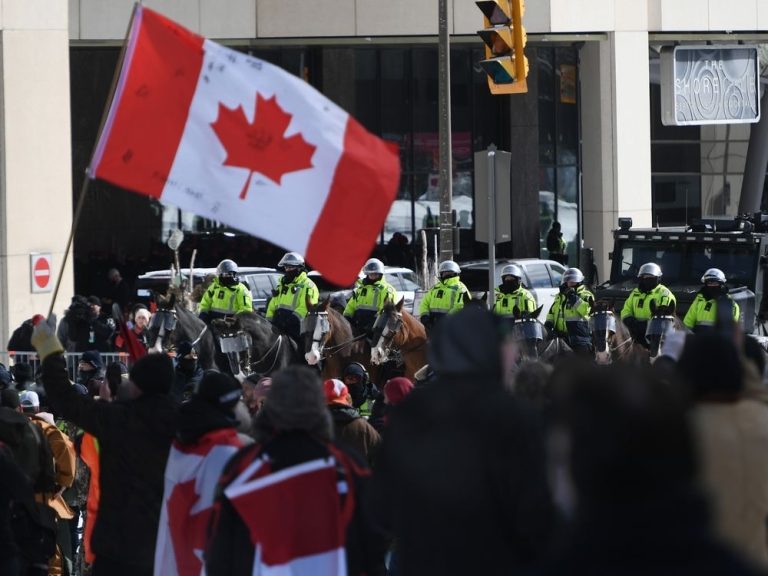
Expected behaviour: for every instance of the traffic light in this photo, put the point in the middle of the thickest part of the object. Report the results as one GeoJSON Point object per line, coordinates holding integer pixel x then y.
{"type": "Point", "coordinates": [504, 36]}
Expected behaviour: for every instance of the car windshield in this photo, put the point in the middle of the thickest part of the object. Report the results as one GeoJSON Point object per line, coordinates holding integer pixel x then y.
{"type": "Point", "coordinates": [403, 281]}
{"type": "Point", "coordinates": [685, 263]}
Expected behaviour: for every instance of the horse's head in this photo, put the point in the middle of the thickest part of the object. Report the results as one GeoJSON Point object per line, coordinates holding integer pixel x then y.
{"type": "Point", "coordinates": [469, 300]}
{"type": "Point", "coordinates": [527, 331]}
{"type": "Point", "coordinates": [385, 329]}
{"type": "Point", "coordinates": [162, 324]}
{"type": "Point", "coordinates": [603, 325]}
{"type": "Point", "coordinates": [316, 331]}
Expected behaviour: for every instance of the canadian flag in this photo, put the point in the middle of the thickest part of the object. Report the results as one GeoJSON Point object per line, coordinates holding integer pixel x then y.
{"type": "Point", "coordinates": [295, 517]}
{"type": "Point", "coordinates": [238, 140]}
{"type": "Point", "coordinates": [191, 475]}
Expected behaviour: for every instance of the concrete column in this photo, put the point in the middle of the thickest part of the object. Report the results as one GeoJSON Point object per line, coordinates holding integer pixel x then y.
{"type": "Point", "coordinates": [616, 138]}
{"type": "Point", "coordinates": [35, 155]}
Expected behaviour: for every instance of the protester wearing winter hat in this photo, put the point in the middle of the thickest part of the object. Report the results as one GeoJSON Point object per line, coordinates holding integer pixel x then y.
{"type": "Point", "coordinates": [321, 485]}
{"type": "Point", "coordinates": [349, 427]}
{"type": "Point", "coordinates": [205, 440]}
{"type": "Point", "coordinates": [188, 371]}
{"type": "Point", "coordinates": [134, 438]}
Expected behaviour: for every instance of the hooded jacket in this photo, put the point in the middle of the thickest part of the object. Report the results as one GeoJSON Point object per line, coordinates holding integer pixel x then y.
{"type": "Point", "coordinates": [449, 481]}
{"type": "Point", "coordinates": [353, 431]}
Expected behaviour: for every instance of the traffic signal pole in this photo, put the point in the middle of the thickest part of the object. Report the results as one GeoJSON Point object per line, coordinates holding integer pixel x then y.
{"type": "Point", "coordinates": [446, 157]}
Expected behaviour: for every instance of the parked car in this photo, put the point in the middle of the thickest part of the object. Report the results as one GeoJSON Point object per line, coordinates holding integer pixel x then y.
{"type": "Point", "coordinates": [541, 277]}
{"type": "Point", "coordinates": [261, 282]}
{"type": "Point", "coordinates": [404, 280]}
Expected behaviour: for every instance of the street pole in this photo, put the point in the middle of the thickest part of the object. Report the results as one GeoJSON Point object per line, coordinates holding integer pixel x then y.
{"type": "Point", "coordinates": [491, 226]}
{"type": "Point", "coordinates": [444, 128]}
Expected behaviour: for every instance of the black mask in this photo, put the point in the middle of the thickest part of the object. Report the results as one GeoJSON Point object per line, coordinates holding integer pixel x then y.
{"type": "Point", "coordinates": [290, 276]}
{"type": "Point", "coordinates": [647, 284]}
{"type": "Point", "coordinates": [510, 286]}
{"type": "Point", "coordinates": [710, 292]}
{"type": "Point", "coordinates": [227, 281]}
{"type": "Point", "coordinates": [368, 281]}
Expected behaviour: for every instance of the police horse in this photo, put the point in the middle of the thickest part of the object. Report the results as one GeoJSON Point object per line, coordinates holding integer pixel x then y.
{"type": "Point", "coordinates": [399, 336]}
{"type": "Point", "coordinates": [328, 339]}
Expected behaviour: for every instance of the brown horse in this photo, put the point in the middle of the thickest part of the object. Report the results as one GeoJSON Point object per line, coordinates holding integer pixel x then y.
{"type": "Point", "coordinates": [327, 339]}
{"type": "Point", "coordinates": [397, 331]}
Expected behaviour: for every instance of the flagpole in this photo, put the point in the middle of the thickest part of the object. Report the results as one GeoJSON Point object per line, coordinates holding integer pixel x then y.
{"type": "Point", "coordinates": [75, 220]}
{"type": "Point", "coordinates": [87, 179]}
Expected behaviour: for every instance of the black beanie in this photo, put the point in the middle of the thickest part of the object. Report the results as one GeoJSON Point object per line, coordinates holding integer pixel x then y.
{"type": "Point", "coordinates": [710, 365]}
{"type": "Point", "coordinates": [153, 374]}
{"type": "Point", "coordinates": [219, 389]}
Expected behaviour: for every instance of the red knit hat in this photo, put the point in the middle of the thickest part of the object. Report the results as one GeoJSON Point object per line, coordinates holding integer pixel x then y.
{"type": "Point", "coordinates": [396, 389]}
{"type": "Point", "coordinates": [336, 392]}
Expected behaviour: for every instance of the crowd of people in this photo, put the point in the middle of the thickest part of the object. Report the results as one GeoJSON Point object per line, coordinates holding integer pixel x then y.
{"type": "Point", "coordinates": [483, 465]}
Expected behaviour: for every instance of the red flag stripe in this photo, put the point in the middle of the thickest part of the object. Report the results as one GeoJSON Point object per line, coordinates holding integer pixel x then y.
{"type": "Point", "coordinates": [150, 108]}
{"type": "Point", "coordinates": [353, 212]}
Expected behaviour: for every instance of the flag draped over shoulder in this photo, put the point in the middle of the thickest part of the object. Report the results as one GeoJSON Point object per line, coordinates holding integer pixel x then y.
{"type": "Point", "coordinates": [233, 138]}
{"type": "Point", "coordinates": [191, 475]}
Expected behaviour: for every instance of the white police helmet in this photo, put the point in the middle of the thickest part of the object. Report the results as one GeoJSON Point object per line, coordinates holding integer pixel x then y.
{"type": "Point", "coordinates": [448, 266]}
{"type": "Point", "coordinates": [713, 274]}
{"type": "Point", "coordinates": [573, 275]}
{"type": "Point", "coordinates": [373, 266]}
{"type": "Point", "coordinates": [226, 267]}
{"type": "Point", "coordinates": [649, 269]}
{"type": "Point", "coordinates": [512, 270]}
{"type": "Point", "coordinates": [291, 259]}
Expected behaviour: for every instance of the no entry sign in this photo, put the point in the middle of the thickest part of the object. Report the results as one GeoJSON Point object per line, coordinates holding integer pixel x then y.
{"type": "Point", "coordinates": [40, 270]}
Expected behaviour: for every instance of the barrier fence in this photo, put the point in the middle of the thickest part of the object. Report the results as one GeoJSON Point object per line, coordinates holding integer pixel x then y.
{"type": "Point", "coordinates": [72, 358]}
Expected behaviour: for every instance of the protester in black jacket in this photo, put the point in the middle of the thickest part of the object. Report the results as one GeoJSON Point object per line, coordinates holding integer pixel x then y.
{"type": "Point", "coordinates": [134, 439]}
{"type": "Point", "coordinates": [461, 477]}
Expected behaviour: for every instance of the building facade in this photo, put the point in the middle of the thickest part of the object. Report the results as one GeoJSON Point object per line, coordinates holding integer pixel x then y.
{"type": "Point", "coordinates": [587, 142]}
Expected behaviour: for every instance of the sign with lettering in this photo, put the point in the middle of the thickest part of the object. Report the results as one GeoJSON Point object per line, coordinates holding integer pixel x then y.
{"type": "Point", "coordinates": [710, 85]}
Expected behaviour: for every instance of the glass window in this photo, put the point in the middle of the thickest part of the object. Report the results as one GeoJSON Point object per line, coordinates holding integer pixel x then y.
{"type": "Point", "coordinates": [556, 271]}
{"type": "Point", "coordinates": [538, 276]}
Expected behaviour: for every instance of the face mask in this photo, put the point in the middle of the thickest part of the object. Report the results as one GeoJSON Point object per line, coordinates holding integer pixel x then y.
{"type": "Point", "coordinates": [511, 285]}
{"type": "Point", "coordinates": [83, 376]}
{"type": "Point", "coordinates": [290, 275]}
{"type": "Point", "coordinates": [710, 292]}
{"type": "Point", "coordinates": [647, 284]}
{"type": "Point", "coordinates": [368, 281]}
{"type": "Point", "coordinates": [227, 281]}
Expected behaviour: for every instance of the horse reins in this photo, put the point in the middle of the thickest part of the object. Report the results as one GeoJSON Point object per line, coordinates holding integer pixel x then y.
{"type": "Point", "coordinates": [278, 343]}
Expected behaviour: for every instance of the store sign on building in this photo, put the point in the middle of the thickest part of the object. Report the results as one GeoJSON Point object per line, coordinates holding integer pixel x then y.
{"type": "Point", "coordinates": [710, 85]}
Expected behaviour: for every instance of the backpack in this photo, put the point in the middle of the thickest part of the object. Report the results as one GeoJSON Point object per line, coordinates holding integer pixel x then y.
{"type": "Point", "coordinates": [46, 479]}
{"type": "Point", "coordinates": [34, 530]}
{"type": "Point", "coordinates": [18, 433]}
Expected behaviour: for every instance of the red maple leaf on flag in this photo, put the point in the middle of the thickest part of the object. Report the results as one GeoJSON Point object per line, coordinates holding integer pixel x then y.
{"type": "Point", "coordinates": [260, 145]}
{"type": "Point", "coordinates": [185, 524]}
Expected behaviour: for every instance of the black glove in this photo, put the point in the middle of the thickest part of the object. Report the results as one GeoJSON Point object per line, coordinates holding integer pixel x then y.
{"type": "Point", "coordinates": [571, 297]}
{"type": "Point", "coordinates": [564, 288]}
{"type": "Point", "coordinates": [426, 320]}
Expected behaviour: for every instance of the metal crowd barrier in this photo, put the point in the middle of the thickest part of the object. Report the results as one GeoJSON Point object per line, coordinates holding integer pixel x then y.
{"type": "Point", "coordinates": [11, 358]}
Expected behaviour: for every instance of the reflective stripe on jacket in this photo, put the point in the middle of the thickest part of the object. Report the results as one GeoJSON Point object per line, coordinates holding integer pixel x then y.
{"type": "Point", "coordinates": [703, 312]}
{"type": "Point", "coordinates": [444, 297]}
{"type": "Point", "coordinates": [638, 305]}
{"type": "Point", "coordinates": [292, 296]}
{"type": "Point", "coordinates": [505, 303]}
{"type": "Point", "coordinates": [226, 300]}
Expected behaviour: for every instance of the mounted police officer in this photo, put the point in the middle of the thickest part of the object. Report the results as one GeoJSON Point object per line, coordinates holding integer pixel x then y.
{"type": "Point", "coordinates": [568, 316]}
{"type": "Point", "coordinates": [369, 297]}
{"type": "Point", "coordinates": [637, 309]}
{"type": "Point", "coordinates": [713, 306]}
{"type": "Point", "coordinates": [226, 295]}
{"type": "Point", "coordinates": [445, 297]}
{"type": "Point", "coordinates": [511, 294]}
{"type": "Point", "coordinates": [288, 306]}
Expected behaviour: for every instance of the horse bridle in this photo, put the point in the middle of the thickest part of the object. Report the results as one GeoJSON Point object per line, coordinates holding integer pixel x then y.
{"type": "Point", "coordinates": [388, 333]}
{"type": "Point", "coordinates": [321, 333]}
